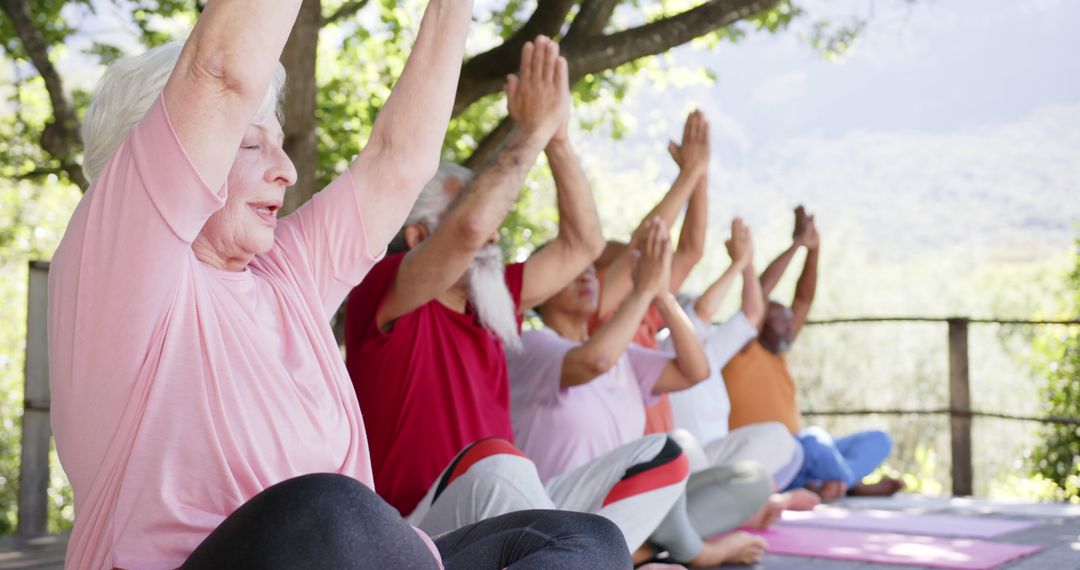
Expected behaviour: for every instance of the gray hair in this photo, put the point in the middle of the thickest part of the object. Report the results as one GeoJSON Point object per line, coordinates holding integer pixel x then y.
{"type": "Point", "coordinates": [432, 202]}
{"type": "Point", "coordinates": [126, 92]}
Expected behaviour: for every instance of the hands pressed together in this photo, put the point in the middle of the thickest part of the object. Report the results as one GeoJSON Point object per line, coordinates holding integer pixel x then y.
{"type": "Point", "coordinates": [652, 272]}
{"type": "Point", "coordinates": [692, 155]}
{"type": "Point", "coordinates": [805, 233]}
{"type": "Point", "coordinates": [538, 97]}
{"type": "Point", "coordinates": [740, 246]}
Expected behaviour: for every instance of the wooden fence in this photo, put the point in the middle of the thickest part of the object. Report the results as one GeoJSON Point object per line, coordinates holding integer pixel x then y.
{"type": "Point", "coordinates": [959, 411]}
{"type": "Point", "coordinates": [36, 433]}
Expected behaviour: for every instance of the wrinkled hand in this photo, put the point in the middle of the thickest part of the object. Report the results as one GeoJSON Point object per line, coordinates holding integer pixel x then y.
{"type": "Point", "coordinates": [740, 246]}
{"type": "Point", "coordinates": [693, 153]}
{"type": "Point", "coordinates": [538, 98]}
{"type": "Point", "coordinates": [652, 272]}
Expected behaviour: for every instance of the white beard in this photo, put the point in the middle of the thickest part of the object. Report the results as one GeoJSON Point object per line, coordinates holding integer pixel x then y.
{"type": "Point", "coordinates": [491, 298]}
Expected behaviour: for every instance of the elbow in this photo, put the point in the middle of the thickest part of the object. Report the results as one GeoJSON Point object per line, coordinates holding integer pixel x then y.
{"type": "Point", "coordinates": [597, 365]}
{"type": "Point", "coordinates": [691, 253]}
{"type": "Point", "coordinates": [697, 373]}
{"type": "Point", "coordinates": [472, 232]}
{"type": "Point", "coordinates": [594, 245]}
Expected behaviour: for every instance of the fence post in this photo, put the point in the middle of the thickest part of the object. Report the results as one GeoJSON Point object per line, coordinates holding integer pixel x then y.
{"type": "Point", "coordinates": [34, 463]}
{"type": "Point", "coordinates": [960, 407]}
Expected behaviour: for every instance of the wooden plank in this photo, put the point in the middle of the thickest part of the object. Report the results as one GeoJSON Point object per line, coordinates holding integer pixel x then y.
{"type": "Point", "coordinates": [960, 407]}
{"type": "Point", "coordinates": [36, 431]}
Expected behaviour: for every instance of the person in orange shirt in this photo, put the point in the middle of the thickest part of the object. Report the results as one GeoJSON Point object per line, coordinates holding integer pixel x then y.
{"type": "Point", "coordinates": [761, 388]}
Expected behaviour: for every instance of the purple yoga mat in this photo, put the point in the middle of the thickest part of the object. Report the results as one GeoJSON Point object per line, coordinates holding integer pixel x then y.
{"type": "Point", "coordinates": [895, 521]}
{"type": "Point", "coordinates": [890, 548]}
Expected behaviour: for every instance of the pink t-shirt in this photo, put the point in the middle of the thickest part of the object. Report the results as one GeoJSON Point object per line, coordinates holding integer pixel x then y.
{"type": "Point", "coordinates": [560, 429]}
{"type": "Point", "coordinates": [180, 391]}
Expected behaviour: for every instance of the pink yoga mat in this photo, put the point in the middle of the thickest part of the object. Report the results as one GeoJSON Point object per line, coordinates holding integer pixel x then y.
{"type": "Point", "coordinates": [895, 521]}
{"type": "Point", "coordinates": [890, 548]}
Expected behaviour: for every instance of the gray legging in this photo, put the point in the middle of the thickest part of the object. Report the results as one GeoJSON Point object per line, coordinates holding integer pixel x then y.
{"type": "Point", "coordinates": [717, 499]}
{"type": "Point", "coordinates": [335, 522]}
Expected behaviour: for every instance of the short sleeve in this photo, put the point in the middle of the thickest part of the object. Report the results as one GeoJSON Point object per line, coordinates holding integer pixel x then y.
{"type": "Point", "coordinates": [727, 339]}
{"type": "Point", "coordinates": [536, 370]}
{"type": "Point", "coordinates": [648, 365]}
{"type": "Point", "coordinates": [365, 300]}
{"type": "Point", "coordinates": [327, 234]}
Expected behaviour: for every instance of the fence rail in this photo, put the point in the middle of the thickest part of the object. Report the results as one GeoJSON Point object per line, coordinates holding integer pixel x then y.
{"type": "Point", "coordinates": [36, 433]}
{"type": "Point", "coordinates": [959, 410]}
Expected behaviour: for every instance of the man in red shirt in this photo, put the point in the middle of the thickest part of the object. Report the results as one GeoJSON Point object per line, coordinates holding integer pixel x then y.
{"type": "Point", "coordinates": [426, 330]}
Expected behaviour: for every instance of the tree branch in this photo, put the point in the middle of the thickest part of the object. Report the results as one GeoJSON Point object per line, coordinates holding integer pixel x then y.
{"type": "Point", "coordinates": [597, 53]}
{"type": "Point", "coordinates": [346, 10]}
{"type": "Point", "coordinates": [607, 52]}
{"type": "Point", "coordinates": [60, 138]}
{"type": "Point", "coordinates": [492, 66]}
{"type": "Point", "coordinates": [590, 21]}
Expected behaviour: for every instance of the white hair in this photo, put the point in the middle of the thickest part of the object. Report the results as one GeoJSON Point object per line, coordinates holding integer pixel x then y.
{"type": "Point", "coordinates": [432, 202]}
{"type": "Point", "coordinates": [491, 297]}
{"type": "Point", "coordinates": [128, 89]}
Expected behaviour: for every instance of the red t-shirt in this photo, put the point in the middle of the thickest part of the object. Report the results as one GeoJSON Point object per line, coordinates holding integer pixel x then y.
{"type": "Point", "coordinates": [433, 384]}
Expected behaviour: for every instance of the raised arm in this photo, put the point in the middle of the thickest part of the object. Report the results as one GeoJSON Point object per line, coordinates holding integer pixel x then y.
{"type": "Point", "coordinates": [222, 76]}
{"type": "Point", "coordinates": [691, 365]}
{"type": "Point", "coordinates": [604, 348]}
{"type": "Point", "coordinates": [580, 239]}
{"type": "Point", "coordinates": [740, 249]}
{"type": "Point", "coordinates": [805, 288]}
{"type": "Point", "coordinates": [536, 105]}
{"type": "Point", "coordinates": [772, 274]}
{"type": "Point", "coordinates": [692, 156]}
{"type": "Point", "coordinates": [403, 152]}
{"type": "Point", "coordinates": [695, 224]}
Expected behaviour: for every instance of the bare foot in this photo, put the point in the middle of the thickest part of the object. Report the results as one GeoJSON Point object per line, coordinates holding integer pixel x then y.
{"type": "Point", "coordinates": [801, 500]}
{"type": "Point", "coordinates": [769, 514]}
{"type": "Point", "coordinates": [887, 487]}
{"type": "Point", "coordinates": [736, 548]}
{"type": "Point", "coordinates": [829, 490]}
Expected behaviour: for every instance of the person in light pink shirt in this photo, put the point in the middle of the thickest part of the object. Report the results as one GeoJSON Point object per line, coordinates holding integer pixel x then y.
{"type": "Point", "coordinates": [201, 408]}
{"type": "Point", "coordinates": [576, 397]}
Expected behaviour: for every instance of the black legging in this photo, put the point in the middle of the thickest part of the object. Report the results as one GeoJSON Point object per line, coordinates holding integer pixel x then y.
{"type": "Point", "coordinates": [335, 522]}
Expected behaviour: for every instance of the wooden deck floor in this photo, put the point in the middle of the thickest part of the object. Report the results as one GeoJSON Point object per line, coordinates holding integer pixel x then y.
{"type": "Point", "coordinates": [1058, 532]}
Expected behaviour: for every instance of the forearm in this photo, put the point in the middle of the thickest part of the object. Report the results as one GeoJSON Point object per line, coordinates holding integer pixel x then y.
{"type": "Point", "coordinates": [485, 202]}
{"type": "Point", "coordinates": [753, 302]}
{"type": "Point", "coordinates": [772, 274]}
{"type": "Point", "coordinates": [807, 285]}
{"type": "Point", "coordinates": [410, 127]}
{"type": "Point", "coordinates": [689, 353]}
{"type": "Point", "coordinates": [692, 236]}
{"type": "Point", "coordinates": [671, 204]}
{"type": "Point", "coordinates": [579, 223]}
{"type": "Point", "coordinates": [609, 342]}
{"type": "Point", "coordinates": [710, 300]}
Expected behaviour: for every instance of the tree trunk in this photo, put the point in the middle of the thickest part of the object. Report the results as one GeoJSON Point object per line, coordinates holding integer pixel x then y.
{"type": "Point", "coordinates": [299, 61]}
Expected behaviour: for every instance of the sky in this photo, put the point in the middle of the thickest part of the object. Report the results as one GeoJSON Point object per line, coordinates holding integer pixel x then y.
{"type": "Point", "coordinates": [951, 126]}
{"type": "Point", "coordinates": [951, 130]}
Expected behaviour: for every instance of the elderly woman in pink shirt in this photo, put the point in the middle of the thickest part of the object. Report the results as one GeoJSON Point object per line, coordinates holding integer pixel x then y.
{"type": "Point", "coordinates": [201, 408]}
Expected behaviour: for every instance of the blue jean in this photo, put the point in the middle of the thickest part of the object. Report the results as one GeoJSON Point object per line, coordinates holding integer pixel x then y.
{"type": "Point", "coordinates": [847, 459]}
